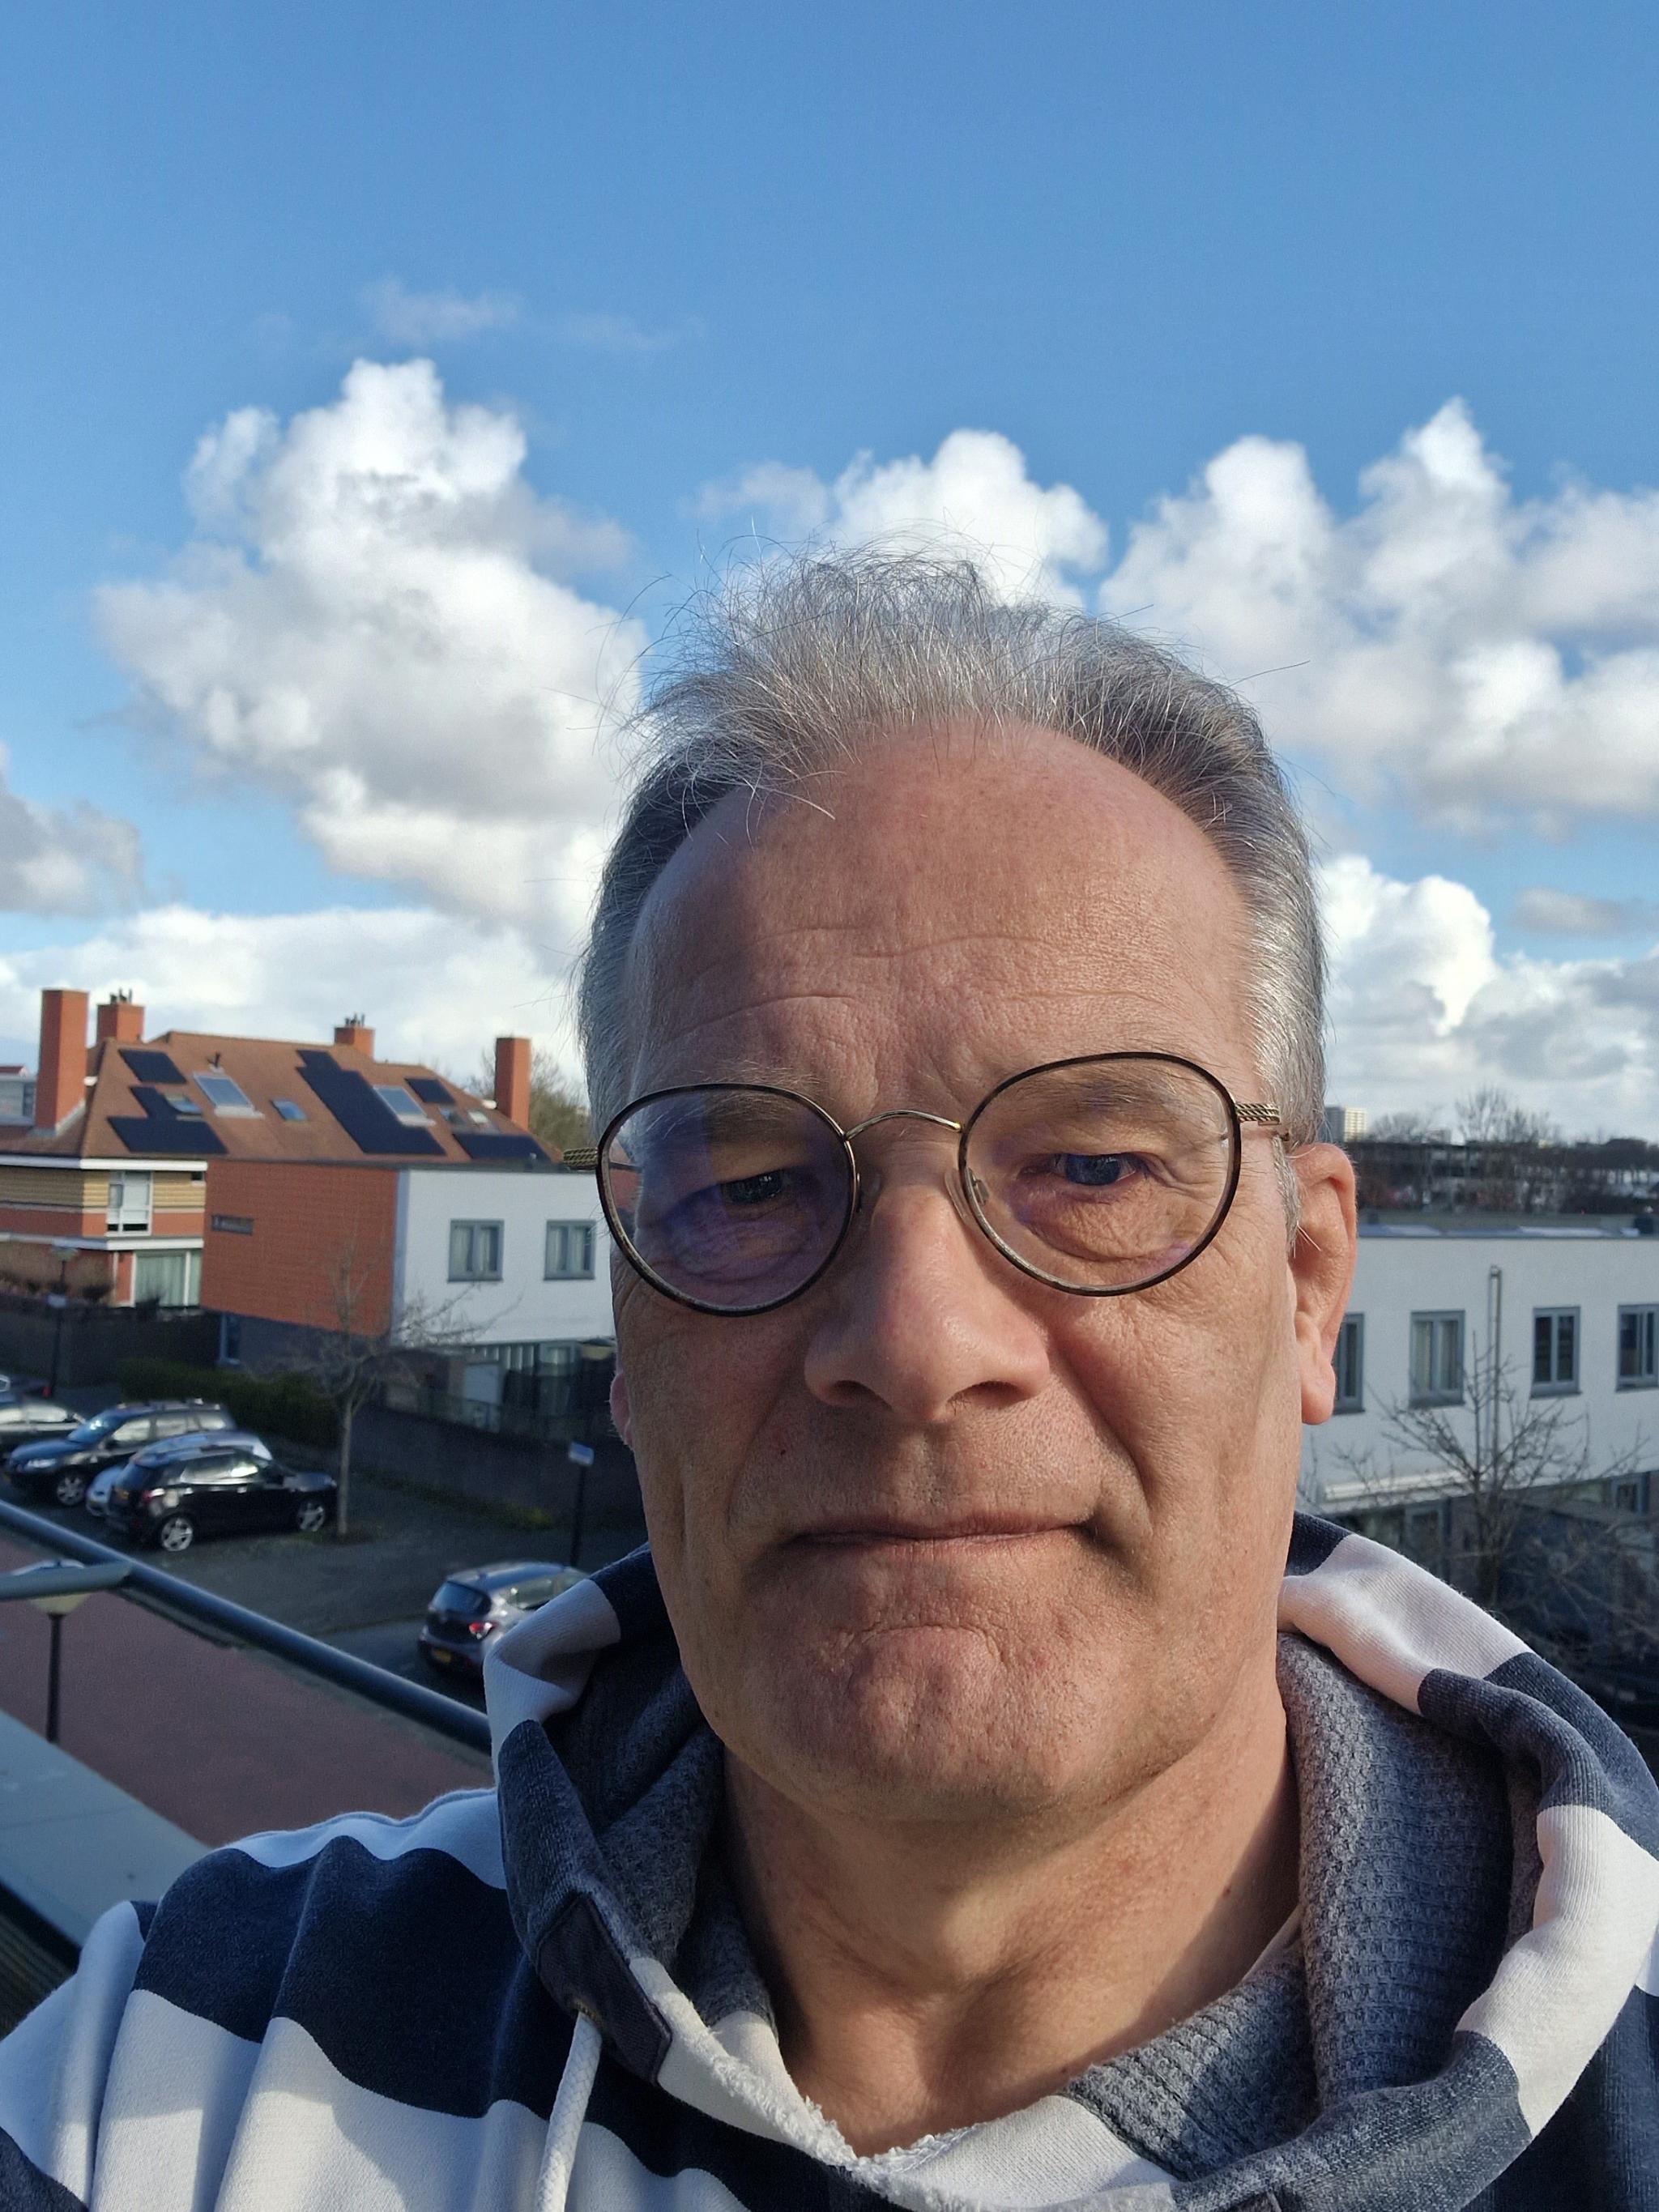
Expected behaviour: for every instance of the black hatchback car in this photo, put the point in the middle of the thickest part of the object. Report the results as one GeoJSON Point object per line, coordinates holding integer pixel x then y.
{"type": "Point", "coordinates": [476, 1603]}
{"type": "Point", "coordinates": [173, 1493]}
{"type": "Point", "coordinates": [61, 1469]}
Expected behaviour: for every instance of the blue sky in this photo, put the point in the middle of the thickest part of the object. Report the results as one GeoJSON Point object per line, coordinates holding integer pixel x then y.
{"type": "Point", "coordinates": [697, 264]}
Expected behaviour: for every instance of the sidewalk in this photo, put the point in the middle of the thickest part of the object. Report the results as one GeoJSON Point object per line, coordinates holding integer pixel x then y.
{"type": "Point", "coordinates": [219, 1741]}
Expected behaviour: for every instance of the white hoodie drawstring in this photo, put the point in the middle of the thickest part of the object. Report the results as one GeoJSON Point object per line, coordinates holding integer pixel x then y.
{"type": "Point", "coordinates": [564, 2122]}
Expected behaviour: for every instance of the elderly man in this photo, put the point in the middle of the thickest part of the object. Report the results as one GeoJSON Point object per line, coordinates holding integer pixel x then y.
{"type": "Point", "coordinates": [961, 1804]}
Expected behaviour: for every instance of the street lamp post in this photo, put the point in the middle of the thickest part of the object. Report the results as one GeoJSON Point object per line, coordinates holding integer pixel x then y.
{"type": "Point", "coordinates": [58, 1301]}
{"type": "Point", "coordinates": [56, 1587]}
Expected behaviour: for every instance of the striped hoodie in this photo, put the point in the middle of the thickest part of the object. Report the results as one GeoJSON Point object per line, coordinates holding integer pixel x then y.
{"type": "Point", "coordinates": [541, 1997]}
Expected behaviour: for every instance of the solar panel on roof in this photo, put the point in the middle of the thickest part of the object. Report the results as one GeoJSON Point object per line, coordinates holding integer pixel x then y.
{"type": "Point", "coordinates": [160, 1133]}
{"type": "Point", "coordinates": [151, 1066]}
{"type": "Point", "coordinates": [371, 1126]}
{"type": "Point", "coordinates": [477, 1148]}
{"type": "Point", "coordinates": [429, 1088]}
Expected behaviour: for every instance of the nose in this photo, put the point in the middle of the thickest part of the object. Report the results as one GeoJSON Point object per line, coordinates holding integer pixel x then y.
{"type": "Point", "coordinates": [919, 1314]}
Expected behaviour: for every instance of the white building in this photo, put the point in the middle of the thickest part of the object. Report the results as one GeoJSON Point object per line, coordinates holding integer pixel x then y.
{"type": "Point", "coordinates": [1572, 1312]}
{"type": "Point", "coordinates": [519, 1264]}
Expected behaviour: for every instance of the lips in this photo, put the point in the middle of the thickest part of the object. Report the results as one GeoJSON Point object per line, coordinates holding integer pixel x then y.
{"type": "Point", "coordinates": [968, 1529]}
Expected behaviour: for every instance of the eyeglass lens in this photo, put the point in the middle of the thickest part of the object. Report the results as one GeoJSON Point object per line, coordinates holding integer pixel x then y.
{"type": "Point", "coordinates": [1099, 1176]}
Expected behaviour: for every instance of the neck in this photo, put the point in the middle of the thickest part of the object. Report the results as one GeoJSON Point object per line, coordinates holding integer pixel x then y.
{"type": "Point", "coordinates": [927, 1978]}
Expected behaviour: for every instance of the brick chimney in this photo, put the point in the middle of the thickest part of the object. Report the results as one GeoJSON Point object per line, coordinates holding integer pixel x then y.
{"type": "Point", "coordinates": [513, 1080]}
{"type": "Point", "coordinates": [355, 1031]}
{"type": "Point", "coordinates": [119, 1018]}
{"type": "Point", "coordinates": [61, 1082]}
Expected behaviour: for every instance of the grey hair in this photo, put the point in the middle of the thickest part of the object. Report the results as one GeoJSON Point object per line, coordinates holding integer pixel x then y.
{"type": "Point", "coordinates": [794, 668]}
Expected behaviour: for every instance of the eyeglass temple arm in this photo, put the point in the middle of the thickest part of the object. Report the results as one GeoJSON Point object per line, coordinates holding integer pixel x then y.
{"type": "Point", "coordinates": [1263, 1118]}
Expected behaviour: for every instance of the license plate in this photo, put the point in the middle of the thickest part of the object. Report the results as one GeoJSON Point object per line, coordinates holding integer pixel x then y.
{"type": "Point", "coordinates": [443, 1658]}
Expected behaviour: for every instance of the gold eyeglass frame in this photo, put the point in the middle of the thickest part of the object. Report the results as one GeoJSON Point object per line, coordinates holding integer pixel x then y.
{"type": "Point", "coordinates": [1242, 1120]}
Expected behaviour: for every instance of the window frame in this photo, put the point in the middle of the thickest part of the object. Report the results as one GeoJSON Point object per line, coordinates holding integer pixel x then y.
{"type": "Point", "coordinates": [1556, 1385]}
{"type": "Point", "coordinates": [1433, 1394]}
{"type": "Point", "coordinates": [1642, 1378]}
{"type": "Point", "coordinates": [470, 1273]}
{"type": "Point", "coordinates": [568, 1274]}
{"type": "Point", "coordinates": [240, 1108]}
{"type": "Point", "coordinates": [1352, 1330]}
{"type": "Point", "coordinates": [402, 1104]}
{"type": "Point", "coordinates": [122, 1225]}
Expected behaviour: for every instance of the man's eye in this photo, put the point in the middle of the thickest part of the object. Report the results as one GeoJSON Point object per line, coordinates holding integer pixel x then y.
{"type": "Point", "coordinates": [754, 1189]}
{"type": "Point", "coordinates": [1095, 1170]}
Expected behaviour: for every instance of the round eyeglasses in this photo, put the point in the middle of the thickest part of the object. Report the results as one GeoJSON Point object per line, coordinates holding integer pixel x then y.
{"type": "Point", "coordinates": [1098, 1175]}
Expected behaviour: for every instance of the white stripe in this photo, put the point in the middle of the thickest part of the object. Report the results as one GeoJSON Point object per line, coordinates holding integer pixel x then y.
{"type": "Point", "coordinates": [1647, 1980]}
{"type": "Point", "coordinates": [53, 2067]}
{"type": "Point", "coordinates": [303, 2138]}
{"type": "Point", "coordinates": [1053, 2152]}
{"type": "Point", "coordinates": [1390, 1622]}
{"type": "Point", "coordinates": [465, 1826]}
{"type": "Point", "coordinates": [1559, 1989]}
{"type": "Point", "coordinates": [541, 1667]}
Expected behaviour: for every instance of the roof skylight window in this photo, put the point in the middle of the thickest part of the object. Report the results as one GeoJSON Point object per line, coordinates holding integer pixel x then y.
{"type": "Point", "coordinates": [224, 1095]}
{"type": "Point", "coordinates": [409, 1111]}
{"type": "Point", "coordinates": [184, 1103]}
{"type": "Point", "coordinates": [287, 1110]}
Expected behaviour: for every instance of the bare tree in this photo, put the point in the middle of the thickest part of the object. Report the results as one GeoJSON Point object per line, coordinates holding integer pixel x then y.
{"type": "Point", "coordinates": [558, 1113]}
{"type": "Point", "coordinates": [365, 1344]}
{"type": "Point", "coordinates": [1409, 1126]}
{"type": "Point", "coordinates": [1531, 1538]}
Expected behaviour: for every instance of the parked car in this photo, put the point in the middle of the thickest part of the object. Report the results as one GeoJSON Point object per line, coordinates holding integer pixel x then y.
{"type": "Point", "coordinates": [171, 1494]}
{"type": "Point", "coordinates": [33, 1421]}
{"type": "Point", "coordinates": [474, 1604]}
{"type": "Point", "coordinates": [62, 1468]}
{"type": "Point", "coordinates": [96, 1500]}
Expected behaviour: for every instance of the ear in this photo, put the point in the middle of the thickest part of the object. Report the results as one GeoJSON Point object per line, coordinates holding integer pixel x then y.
{"type": "Point", "coordinates": [1321, 1268]}
{"type": "Point", "coordinates": [621, 1413]}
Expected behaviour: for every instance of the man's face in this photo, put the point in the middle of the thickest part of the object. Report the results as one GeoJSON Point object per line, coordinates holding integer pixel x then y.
{"type": "Point", "coordinates": [936, 1539]}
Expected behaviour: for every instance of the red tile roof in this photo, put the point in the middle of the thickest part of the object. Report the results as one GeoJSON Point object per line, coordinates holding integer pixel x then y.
{"type": "Point", "coordinates": [264, 1071]}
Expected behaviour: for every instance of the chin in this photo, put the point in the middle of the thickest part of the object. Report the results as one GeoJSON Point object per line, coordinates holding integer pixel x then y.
{"type": "Point", "coordinates": [929, 1722]}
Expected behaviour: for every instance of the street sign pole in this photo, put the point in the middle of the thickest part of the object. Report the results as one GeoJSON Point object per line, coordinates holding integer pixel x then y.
{"type": "Point", "coordinates": [53, 1662]}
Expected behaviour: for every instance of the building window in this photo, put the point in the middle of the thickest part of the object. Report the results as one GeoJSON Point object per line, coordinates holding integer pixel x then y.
{"type": "Point", "coordinates": [226, 1095]}
{"type": "Point", "coordinates": [230, 1339]}
{"type": "Point", "coordinates": [1437, 1377]}
{"type": "Point", "coordinates": [170, 1279]}
{"type": "Point", "coordinates": [1555, 1349]}
{"type": "Point", "coordinates": [397, 1101]}
{"type": "Point", "coordinates": [569, 1251]}
{"type": "Point", "coordinates": [287, 1111]}
{"type": "Point", "coordinates": [1351, 1365]}
{"type": "Point", "coordinates": [232, 1224]}
{"type": "Point", "coordinates": [1638, 1348]}
{"type": "Point", "coordinates": [129, 1202]}
{"type": "Point", "coordinates": [475, 1251]}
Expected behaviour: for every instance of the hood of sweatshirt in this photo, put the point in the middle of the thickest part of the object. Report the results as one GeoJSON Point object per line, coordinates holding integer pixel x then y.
{"type": "Point", "coordinates": [1475, 1952]}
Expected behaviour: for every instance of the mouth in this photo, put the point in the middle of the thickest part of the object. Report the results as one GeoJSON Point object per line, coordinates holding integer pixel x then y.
{"type": "Point", "coordinates": [976, 1529]}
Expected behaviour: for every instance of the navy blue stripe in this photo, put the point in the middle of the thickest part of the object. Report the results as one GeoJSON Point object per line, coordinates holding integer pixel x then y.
{"type": "Point", "coordinates": [1602, 2149]}
{"type": "Point", "coordinates": [24, 2188]}
{"type": "Point", "coordinates": [1537, 1716]}
{"type": "Point", "coordinates": [1312, 1542]}
{"type": "Point", "coordinates": [631, 1585]}
{"type": "Point", "coordinates": [406, 1972]}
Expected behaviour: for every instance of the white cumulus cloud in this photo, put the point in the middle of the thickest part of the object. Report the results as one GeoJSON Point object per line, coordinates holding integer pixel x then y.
{"type": "Point", "coordinates": [976, 495]}
{"type": "Point", "coordinates": [63, 859]}
{"type": "Point", "coordinates": [1479, 656]}
{"type": "Point", "coordinates": [1425, 1008]}
{"type": "Point", "coordinates": [375, 617]}
{"type": "Point", "coordinates": [432, 987]}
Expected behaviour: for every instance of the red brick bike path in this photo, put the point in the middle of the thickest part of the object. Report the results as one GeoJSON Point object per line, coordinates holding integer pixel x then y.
{"type": "Point", "coordinates": [221, 1741]}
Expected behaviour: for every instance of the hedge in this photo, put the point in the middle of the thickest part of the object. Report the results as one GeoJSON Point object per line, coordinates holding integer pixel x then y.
{"type": "Point", "coordinates": [285, 1405]}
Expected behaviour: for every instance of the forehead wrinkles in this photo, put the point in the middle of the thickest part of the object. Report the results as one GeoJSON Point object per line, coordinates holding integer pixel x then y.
{"type": "Point", "coordinates": [1090, 903]}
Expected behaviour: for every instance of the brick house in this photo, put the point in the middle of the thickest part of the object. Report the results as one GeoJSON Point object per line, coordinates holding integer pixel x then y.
{"type": "Point", "coordinates": [110, 1188]}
